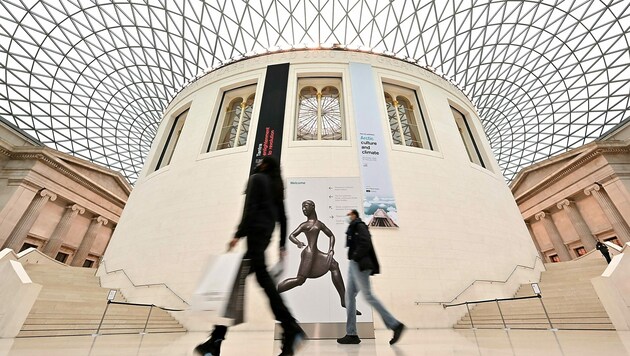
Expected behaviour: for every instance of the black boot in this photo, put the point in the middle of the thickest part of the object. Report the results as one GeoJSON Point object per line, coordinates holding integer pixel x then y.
{"type": "Point", "coordinates": [292, 339]}
{"type": "Point", "coordinates": [212, 347]}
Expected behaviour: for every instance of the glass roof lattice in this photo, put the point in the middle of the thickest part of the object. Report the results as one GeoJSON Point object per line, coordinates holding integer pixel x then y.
{"type": "Point", "coordinates": [92, 78]}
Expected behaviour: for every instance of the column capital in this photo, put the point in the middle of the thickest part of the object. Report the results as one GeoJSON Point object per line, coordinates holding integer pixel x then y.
{"type": "Point", "coordinates": [565, 203]}
{"type": "Point", "coordinates": [48, 193]}
{"type": "Point", "coordinates": [543, 214]}
{"type": "Point", "coordinates": [595, 187]}
{"type": "Point", "coordinates": [101, 220]}
{"type": "Point", "coordinates": [76, 207]}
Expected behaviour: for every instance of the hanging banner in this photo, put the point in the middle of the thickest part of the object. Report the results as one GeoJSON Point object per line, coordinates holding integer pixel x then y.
{"type": "Point", "coordinates": [315, 274]}
{"type": "Point", "coordinates": [268, 140]}
{"type": "Point", "coordinates": [379, 205]}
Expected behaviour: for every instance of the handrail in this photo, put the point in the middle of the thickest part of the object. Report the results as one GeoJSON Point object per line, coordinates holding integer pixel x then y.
{"type": "Point", "coordinates": [491, 300]}
{"type": "Point", "coordinates": [483, 280]}
{"type": "Point", "coordinates": [140, 285]}
{"type": "Point", "coordinates": [497, 300]}
{"type": "Point", "coordinates": [146, 324]}
{"type": "Point", "coordinates": [144, 305]}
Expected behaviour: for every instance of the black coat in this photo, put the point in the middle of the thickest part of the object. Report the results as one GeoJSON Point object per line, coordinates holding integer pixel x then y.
{"type": "Point", "coordinates": [260, 212]}
{"type": "Point", "coordinates": [360, 248]}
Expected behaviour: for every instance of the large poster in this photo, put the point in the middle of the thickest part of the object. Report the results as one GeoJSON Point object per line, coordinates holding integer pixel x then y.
{"type": "Point", "coordinates": [379, 205]}
{"type": "Point", "coordinates": [313, 283]}
{"type": "Point", "coordinates": [268, 141]}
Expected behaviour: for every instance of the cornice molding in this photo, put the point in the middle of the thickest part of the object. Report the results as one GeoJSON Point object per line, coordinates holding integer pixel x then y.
{"type": "Point", "coordinates": [41, 155]}
{"type": "Point", "coordinates": [584, 158]}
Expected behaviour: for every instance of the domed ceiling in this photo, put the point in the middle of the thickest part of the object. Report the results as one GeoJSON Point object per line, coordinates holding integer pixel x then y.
{"type": "Point", "coordinates": [92, 78]}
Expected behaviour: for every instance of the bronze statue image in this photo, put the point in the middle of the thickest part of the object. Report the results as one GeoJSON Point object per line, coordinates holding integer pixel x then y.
{"type": "Point", "coordinates": [314, 263]}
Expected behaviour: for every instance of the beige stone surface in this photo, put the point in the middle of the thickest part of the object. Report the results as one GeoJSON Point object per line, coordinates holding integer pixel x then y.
{"type": "Point", "coordinates": [26, 167]}
{"type": "Point", "coordinates": [17, 295]}
{"type": "Point", "coordinates": [545, 184]}
{"type": "Point", "coordinates": [613, 289]}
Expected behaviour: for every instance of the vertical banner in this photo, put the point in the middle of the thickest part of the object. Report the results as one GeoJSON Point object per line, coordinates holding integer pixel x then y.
{"type": "Point", "coordinates": [268, 140]}
{"type": "Point", "coordinates": [379, 205]}
{"type": "Point", "coordinates": [315, 275]}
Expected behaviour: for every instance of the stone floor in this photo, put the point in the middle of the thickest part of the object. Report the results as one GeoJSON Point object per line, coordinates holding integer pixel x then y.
{"type": "Point", "coordinates": [413, 343]}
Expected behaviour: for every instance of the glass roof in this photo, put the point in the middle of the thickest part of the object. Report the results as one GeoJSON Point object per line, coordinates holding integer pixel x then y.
{"type": "Point", "coordinates": [92, 78]}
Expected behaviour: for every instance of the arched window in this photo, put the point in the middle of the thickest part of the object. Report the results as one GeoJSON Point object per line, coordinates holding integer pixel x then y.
{"type": "Point", "coordinates": [171, 140]}
{"type": "Point", "coordinates": [468, 138]}
{"type": "Point", "coordinates": [236, 123]}
{"type": "Point", "coordinates": [319, 114]}
{"type": "Point", "coordinates": [235, 118]}
{"type": "Point", "coordinates": [406, 122]}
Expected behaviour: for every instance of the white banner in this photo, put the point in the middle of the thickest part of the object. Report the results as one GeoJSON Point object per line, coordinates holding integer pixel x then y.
{"type": "Point", "coordinates": [379, 205]}
{"type": "Point", "coordinates": [313, 282]}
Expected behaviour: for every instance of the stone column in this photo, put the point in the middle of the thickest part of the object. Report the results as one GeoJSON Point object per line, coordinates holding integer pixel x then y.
{"type": "Point", "coordinates": [579, 224]}
{"type": "Point", "coordinates": [88, 241]}
{"type": "Point", "coordinates": [20, 232]}
{"type": "Point", "coordinates": [610, 210]}
{"type": "Point", "coordinates": [554, 235]}
{"type": "Point", "coordinates": [56, 239]}
{"type": "Point", "coordinates": [533, 236]}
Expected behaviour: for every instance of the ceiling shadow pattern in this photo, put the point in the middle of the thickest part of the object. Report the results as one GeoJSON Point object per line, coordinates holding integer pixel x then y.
{"type": "Point", "coordinates": [92, 78]}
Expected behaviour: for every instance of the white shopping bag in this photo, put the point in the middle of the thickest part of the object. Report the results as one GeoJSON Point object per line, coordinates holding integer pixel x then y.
{"type": "Point", "coordinates": [218, 283]}
{"type": "Point", "coordinates": [276, 271]}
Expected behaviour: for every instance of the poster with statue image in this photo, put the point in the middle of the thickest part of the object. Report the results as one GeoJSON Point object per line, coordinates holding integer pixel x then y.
{"type": "Point", "coordinates": [379, 205]}
{"type": "Point", "coordinates": [315, 272]}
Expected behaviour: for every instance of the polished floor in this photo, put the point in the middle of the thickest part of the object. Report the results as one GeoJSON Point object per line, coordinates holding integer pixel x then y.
{"type": "Point", "coordinates": [443, 342]}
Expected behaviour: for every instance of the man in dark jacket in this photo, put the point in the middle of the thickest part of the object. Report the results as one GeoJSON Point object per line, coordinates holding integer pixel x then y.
{"type": "Point", "coordinates": [363, 263]}
{"type": "Point", "coordinates": [264, 205]}
{"type": "Point", "coordinates": [604, 250]}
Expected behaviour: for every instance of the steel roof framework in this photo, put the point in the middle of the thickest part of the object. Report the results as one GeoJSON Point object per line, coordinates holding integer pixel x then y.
{"type": "Point", "coordinates": [92, 78]}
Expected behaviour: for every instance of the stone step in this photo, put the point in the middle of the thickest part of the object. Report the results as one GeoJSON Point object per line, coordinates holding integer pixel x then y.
{"type": "Point", "coordinates": [63, 332]}
{"type": "Point", "coordinates": [567, 293]}
{"type": "Point", "coordinates": [541, 326]}
{"type": "Point", "coordinates": [65, 317]}
{"type": "Point", "coordinates": [72, 302]}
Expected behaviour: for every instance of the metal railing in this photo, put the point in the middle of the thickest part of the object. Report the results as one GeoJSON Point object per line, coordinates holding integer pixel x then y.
{"type": "Point", "coordinates": [497, 300]}
{"type": "Point", "coordinates": [163, 285]}
{"type": "Point", "coordinates": [537, 259]}
{"type": "Point", "coordinates": [146, 324]}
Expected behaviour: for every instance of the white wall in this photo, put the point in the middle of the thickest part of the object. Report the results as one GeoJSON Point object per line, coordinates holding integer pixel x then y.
{"type": "Point", "coordinates": [458, 221]}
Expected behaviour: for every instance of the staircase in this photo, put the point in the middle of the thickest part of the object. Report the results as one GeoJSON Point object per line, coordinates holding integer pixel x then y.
{"type": "Point", "coordinates": [72, 302]}
{"type": "Point", "coordinates": [567, 293]}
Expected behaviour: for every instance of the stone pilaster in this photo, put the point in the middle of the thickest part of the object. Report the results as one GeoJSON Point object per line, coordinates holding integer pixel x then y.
{"type": "Point", "coordinates": [585, 234]}
{"type": "Point", "coordinates": [20, 232]}
{"type": "Point", "coordinates": [56, 239]}
{"type": "Point", "coordinates": [610, 210]}
{"type": "Point", "coordinates": [88, 241]}
{"type": "Point", "coordinates": [554, 236]}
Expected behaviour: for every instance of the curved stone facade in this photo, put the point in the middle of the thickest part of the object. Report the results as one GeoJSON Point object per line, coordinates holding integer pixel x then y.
{"type": "Point", "coordinates": [458, 225]}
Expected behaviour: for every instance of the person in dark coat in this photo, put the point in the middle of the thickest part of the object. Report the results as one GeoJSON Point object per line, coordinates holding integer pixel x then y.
{"type": "Point", "coordinates": [363, 264]}
{"type": "Point", "coordinates": [604, 250]}
{"type": "Point", "coordinates": [264, 206]}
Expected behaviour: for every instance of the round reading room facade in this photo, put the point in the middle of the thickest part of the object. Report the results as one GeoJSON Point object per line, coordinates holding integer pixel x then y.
{"type": "Point", "coordinates": [352, 130]}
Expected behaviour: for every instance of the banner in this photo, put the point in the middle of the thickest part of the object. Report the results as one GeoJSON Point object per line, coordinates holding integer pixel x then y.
{"type": "Point", "coordinates": [268, 140]}
{"type": "Point", "coordinates": [379, 205]}
{"type": "Point", "coordinates": [313, 282]}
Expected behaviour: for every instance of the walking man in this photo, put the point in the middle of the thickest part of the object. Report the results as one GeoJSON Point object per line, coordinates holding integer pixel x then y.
{"type": "Point", "coordinates": [264, 205]}
{"type": "Point", "coordinates": [362, 265]}
{"type": "Point", "coordinates": [604, 250]}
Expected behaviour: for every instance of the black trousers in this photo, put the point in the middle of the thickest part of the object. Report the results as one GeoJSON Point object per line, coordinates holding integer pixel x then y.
{"type": "Point", "coordinates": [256, 246]}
